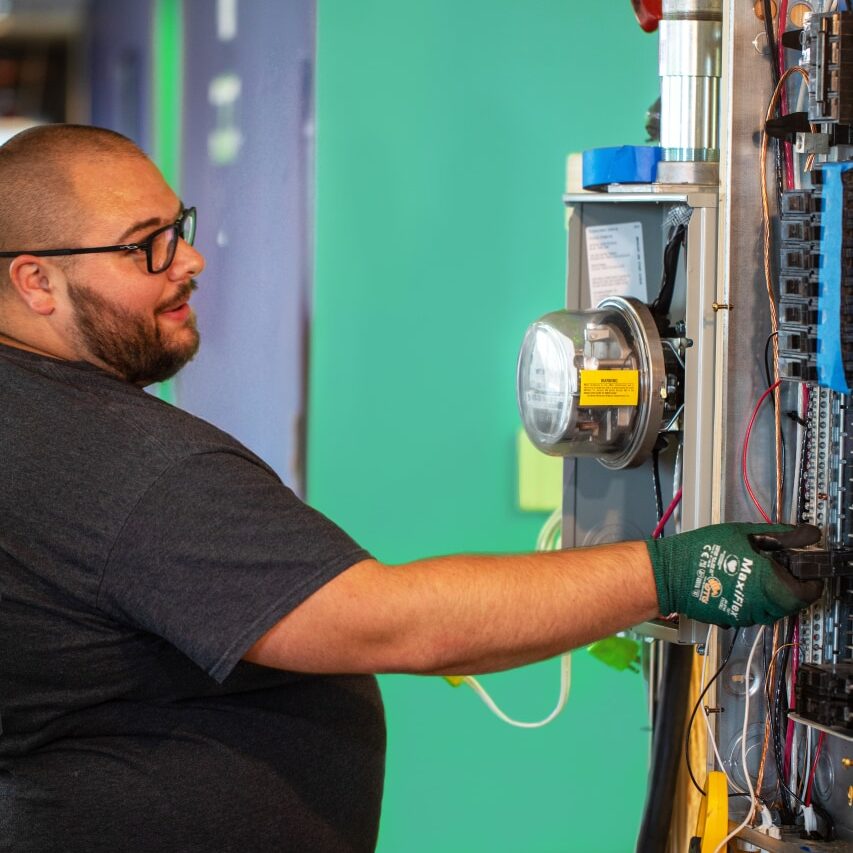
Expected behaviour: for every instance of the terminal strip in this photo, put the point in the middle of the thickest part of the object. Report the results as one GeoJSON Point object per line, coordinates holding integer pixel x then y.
{"type": "Point", "coordinates": [826, 500]}
{"type": "Point", "coordinates": [798, 290]}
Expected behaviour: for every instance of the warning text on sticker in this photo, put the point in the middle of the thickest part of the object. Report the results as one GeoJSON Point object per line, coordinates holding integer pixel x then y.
{"type": "Point", "coordinates": [609, 387]}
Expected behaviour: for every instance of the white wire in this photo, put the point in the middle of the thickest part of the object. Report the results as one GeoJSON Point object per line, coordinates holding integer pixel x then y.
{"type": "Point", "coordinates": [795, 757]}
{"type": "Point", "coordinates": [711, 735]}
{"type": "Point", "coordinates": [549, 539]}
{"type": "Point", "coordinates": [676, 485]}
{"type": "Point", "coordinates": [807, 763]}
{"type": "Point", "coordinates": [752, 799]}
{"type": "Point", "coordinates": [551, 535]}
{"type": "Point", "coordinates": [565, 686]}
{"type": "Point", "coordinates": [799, 730]}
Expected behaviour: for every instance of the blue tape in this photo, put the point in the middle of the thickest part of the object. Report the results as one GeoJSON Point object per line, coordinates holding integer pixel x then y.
{"type": "Point", "coordinates": [830, 365]}
{"type": "Point", "coordinates": [628, 164]}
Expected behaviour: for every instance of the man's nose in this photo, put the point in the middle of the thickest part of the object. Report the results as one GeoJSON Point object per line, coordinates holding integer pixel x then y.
{"type": "Point", "coordinates": [188, 261]}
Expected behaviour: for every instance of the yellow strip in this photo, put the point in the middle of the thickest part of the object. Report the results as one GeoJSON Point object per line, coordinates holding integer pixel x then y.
{"type": "Point", "coordinates": [609, 387]}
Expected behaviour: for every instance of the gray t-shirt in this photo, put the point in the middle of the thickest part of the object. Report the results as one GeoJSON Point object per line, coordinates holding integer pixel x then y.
{"type": "Point", "coordinates": [142, 551]}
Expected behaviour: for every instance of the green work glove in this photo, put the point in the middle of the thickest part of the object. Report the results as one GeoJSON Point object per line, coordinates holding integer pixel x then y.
{"type": "Point", "coordinates": [725, 574]}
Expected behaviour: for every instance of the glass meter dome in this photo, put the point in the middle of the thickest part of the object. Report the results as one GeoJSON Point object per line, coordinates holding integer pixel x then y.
{"type": "Point", "coordinates": [597, 383]}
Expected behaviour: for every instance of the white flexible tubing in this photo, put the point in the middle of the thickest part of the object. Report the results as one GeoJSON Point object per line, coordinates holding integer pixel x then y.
{"type": "Point", "coordinates": [752, 800]}
{"type": "Point", "coordinates": [546, 540]}
{"type": "Point", "coordinates": [549, 539]}
{"type": "Point", "coordinates": [565, 686]}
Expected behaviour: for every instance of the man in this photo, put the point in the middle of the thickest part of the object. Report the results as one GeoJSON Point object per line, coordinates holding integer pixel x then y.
{"type": "Point", "coordinates": [185, 648]}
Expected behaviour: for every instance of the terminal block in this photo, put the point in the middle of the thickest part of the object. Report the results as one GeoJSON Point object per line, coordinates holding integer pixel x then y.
{"type": "Point", "coordinates": [825, 694]}
{"type": "Point", "coordinates": [798, 293]}
{"type": "Point", "coordinates": [813, 298]}
{"type": "Point", "coordinates": [812, 563]}
{"type": "Point", "coordinates": [826, 627]}
{"type": "Point", "coordinates": [828, 44]}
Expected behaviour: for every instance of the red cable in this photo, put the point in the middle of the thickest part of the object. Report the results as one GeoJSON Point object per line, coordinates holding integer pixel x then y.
{"type": "Point", "coordinates": [665, 517]}
{"type": "Point", "coordinates": [745, 452]}
{"type": "Point", "coordinates": [814, 768]}
{"type": "Point", "coordinates": [783, 101]}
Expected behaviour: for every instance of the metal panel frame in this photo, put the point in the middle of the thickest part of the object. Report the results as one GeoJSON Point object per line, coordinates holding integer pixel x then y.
{"type": "Point", "coordinates": [700, 417]}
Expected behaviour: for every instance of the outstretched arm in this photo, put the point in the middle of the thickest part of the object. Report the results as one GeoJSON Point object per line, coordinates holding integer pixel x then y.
{"type": "Point", "coordinates": [463, 614]}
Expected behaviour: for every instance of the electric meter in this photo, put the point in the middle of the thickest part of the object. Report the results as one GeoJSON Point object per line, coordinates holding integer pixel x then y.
{"type": "Point", "coordinates": [599, 383]}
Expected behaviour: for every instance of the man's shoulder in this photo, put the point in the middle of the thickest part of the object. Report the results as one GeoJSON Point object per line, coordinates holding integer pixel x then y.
{"type": "Point", "coordinates": [89, 410]}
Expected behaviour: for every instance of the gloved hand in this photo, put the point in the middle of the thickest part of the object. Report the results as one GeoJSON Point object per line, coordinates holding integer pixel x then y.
{"type": "Point", "coordinates": [725, 574]}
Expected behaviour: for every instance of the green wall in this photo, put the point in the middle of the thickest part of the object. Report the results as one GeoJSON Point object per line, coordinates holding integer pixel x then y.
{"type": "Point", "coordinates": [443, 127]}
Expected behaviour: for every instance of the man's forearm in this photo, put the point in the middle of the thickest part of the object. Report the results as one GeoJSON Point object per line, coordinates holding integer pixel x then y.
{"type": "Point", "coordinates": [463, 613]}
{"type": "Point", "coordinates": [532, 606]}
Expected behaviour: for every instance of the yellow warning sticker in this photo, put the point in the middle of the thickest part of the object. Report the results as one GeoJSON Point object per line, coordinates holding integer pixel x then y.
{"type": "Point", "coordinates": [609, 387]}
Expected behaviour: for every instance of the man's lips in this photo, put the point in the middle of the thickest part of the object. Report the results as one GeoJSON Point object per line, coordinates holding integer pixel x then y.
{"type": "Point", "coordinates": [178, 312]}
{"type": "Point", "coordinates": [181, 299]}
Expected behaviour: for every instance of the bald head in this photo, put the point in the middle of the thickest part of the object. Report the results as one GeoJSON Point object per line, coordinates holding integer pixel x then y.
{"type": "Point", "coordinates": [41, 207]}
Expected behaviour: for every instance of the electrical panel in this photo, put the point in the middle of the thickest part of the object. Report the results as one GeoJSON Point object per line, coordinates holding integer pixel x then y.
{"type": "Point", "coordinates": [797, 740]}
{"type": "Point", "coordinates": [759, 319]}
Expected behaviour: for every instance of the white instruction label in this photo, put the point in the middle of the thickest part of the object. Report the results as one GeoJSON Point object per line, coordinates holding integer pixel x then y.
{"type": "Point", "coordinates": [614, 256]}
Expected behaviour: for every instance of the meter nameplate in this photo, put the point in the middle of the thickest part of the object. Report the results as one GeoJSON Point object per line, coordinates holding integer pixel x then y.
{"type": "Point", "coordinates": [609, 387]}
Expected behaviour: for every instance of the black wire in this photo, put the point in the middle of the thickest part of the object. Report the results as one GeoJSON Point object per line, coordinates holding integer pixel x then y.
{"type": "Point", "coordinates": [660, 444]}
{"type": "Point", "coordinates": [716, 675]}
{"type": "Point", "coordinates": [767, 373]}
{"type": "Point", "coordinates": [802, 485]}
{"type": "Point", "coordinates": [778, 722]}
{"type": "Point", "coordinates": [771, 40]}
{"type": "Point", "coordinates": [828, 819]}
{"type": "Point", "coordinates": [663, 301]}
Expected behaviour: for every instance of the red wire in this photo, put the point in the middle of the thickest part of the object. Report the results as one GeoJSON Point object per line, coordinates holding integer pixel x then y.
{"type": "Point", "coordinates": [814, 768]}
{"type": "Point", "coordinates": [783, 101]}
{"type": "Point", "coordinates": [745, 453]}
{"type": "Point", "coordinates": [665, 517]}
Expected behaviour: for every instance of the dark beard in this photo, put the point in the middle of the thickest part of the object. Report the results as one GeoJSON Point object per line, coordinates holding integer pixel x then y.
{"type": "Point", "coordinates": [123, 341]}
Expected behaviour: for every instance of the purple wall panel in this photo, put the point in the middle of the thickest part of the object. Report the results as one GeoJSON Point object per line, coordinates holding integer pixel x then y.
{"type": "Point", "coordinates": [246, 166]}
{"type": "Point", "coordinates": [120, 66]}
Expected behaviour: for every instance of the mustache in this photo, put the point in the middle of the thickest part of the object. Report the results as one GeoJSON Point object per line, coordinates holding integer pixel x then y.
{"type": "Point", "coordinates": [184, 293]}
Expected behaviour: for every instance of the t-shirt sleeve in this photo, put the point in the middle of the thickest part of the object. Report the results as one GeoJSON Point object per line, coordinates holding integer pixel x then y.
{"type": "Point", "coordinates": [215, 552]}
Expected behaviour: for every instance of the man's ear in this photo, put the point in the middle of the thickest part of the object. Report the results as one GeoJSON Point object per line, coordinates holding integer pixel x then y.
{"type": "Point", "coordinates": [31, 279]}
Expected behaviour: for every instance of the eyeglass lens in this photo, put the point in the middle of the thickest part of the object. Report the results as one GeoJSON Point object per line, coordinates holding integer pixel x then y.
{"type": "Point", "coordinates": [165, 243]}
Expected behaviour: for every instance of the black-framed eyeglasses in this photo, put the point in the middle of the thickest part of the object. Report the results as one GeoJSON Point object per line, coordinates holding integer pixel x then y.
{"type": "Point", "coordinates": [159, 246]}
